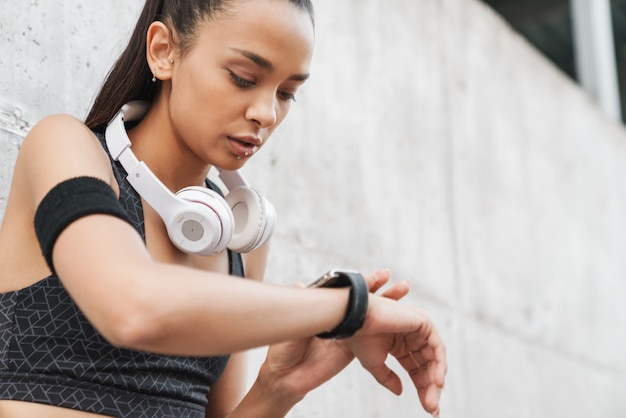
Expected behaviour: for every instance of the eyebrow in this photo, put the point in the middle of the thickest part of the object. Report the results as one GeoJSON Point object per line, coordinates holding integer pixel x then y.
{"type": "Point", "coordinates": [266, 64]}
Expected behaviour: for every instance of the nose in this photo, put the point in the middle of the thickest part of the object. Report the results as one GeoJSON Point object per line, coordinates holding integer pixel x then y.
{"type": "Point", "coordinates": [262, 110]}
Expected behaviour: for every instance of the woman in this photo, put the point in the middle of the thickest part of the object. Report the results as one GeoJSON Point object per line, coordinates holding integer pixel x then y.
{"type": "Point", "coordinates": [124, 314]}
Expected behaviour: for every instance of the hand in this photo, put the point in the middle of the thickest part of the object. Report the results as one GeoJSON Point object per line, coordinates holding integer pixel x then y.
{"type": "Point", "coordinates": [305, 364]}
{"type": "Point", "coordinates": [408, 334]}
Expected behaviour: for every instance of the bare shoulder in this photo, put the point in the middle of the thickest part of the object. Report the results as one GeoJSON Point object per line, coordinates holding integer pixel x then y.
{"type": "Point", "coordinates": [58, 148]}
{"type": "Point", "coordinates": [57, 131]}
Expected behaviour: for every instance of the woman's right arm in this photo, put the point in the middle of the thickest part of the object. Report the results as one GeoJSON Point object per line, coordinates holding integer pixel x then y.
{"type": "Point", "coordinates": [138, 303]}
{"type": "Point", "coordinates": [141, 304]}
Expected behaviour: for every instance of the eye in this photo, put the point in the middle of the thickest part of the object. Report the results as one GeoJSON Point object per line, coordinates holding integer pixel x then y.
{"type": "Point", "coordinates": [286, 96]}
{"type": "Point", "coordinates": [241, 82]}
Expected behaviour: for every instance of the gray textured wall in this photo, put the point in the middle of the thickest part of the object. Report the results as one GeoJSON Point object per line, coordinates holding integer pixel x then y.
{"type": "Point", "coordinates": [432, 140]}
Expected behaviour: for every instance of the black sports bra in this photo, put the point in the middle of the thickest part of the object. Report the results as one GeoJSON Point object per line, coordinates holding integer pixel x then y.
{"type": "Point", "coordinates": [51, 354]}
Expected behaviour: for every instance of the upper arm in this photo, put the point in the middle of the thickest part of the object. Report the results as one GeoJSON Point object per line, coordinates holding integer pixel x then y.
{"type": "Point", "coordinates": [56, 149]}
{"type": "Point", "coordinates": [255, 262]}
{"type": "Point", "coordinates": [93, 254]}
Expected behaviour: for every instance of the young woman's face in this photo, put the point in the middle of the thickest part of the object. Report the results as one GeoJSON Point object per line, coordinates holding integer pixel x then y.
{"type": "Point", "coordinates": [238, 81]}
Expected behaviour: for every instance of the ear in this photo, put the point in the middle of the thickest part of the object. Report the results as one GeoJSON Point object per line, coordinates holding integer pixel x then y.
{"type": "Point", "coordinates": [159, 50]}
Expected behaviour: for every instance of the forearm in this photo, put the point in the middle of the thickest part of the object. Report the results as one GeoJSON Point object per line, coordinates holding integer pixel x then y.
{"type": "Point", "coordinates": [220, 314]}
{"type": "Point", "coordinates": [138, 303]}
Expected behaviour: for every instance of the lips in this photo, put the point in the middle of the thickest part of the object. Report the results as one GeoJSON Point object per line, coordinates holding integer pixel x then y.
{"type": "Point", "coordinates": [244, 147]}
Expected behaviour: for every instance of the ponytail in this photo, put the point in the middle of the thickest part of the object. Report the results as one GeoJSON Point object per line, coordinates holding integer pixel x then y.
{"type": "Point", "coordinates": [130, 78]}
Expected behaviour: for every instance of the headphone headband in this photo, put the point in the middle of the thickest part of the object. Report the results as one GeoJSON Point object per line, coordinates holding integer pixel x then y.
{"type": "Point", "coordinates": [118, 143]}
{"type": "Point", "coordinates": [198, 220]}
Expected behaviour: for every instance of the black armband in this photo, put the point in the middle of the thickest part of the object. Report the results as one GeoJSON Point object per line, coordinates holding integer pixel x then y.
{"type": "Point", "coordinates": [68, 201]}
{"type": "Point", "coordinates": [357, 303]}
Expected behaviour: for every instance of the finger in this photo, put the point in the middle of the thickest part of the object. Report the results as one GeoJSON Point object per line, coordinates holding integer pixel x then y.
{"type": "Point", "coordinates": [425, 362]}
{"type": "Point", "coordinates": [442, 366]}
{"type": "Point", "coordinates": [433, 353]}
{"type": "Point", "coordinates": [422, 374]}
{"type": "Point", "coordinates": [378, 279]}
{"type": "Point", "coordinates": [416, 368]}
{"type": "Point", "coordinates": [430, 396]}
{"type": "Point", "coordinates": [397, 291]}
{"type": "Point", "coordinates": [386, 377]}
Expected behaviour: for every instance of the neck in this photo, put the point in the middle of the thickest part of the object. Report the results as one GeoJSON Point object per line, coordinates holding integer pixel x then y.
{"type": "Point", "coordinates": [155, 143]}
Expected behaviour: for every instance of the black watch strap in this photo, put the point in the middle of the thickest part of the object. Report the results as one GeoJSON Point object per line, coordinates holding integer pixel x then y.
{"type": "Point", "coordinates": [357, 303]}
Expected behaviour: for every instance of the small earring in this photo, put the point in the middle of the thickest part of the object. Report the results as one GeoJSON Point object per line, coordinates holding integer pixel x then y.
{"type": "Point", "coordinates": [154, 79]}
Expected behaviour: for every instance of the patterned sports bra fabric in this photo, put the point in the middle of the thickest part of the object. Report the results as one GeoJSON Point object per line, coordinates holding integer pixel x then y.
{"type": "Point", "coordinates": [50, 353]}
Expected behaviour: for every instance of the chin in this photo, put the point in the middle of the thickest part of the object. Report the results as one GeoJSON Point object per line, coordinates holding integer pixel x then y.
{"type": "Point", "coordinates": [231, 165]}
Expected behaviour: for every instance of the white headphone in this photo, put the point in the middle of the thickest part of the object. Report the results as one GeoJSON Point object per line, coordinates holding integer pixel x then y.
{"type": "Point", "coordinates": [198, 220]}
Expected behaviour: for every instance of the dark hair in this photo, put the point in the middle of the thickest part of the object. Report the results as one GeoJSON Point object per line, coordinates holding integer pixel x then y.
{"type": "Point", "coordinates": [130, 78]}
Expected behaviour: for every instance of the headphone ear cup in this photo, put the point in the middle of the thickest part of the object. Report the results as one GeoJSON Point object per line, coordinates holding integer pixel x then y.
{"type": "Point", "coordinates": [255, 218]}
{"type": "Point", "coordinates": [204, 226]}
{"type": "Point", "coordinates": [270, 221]}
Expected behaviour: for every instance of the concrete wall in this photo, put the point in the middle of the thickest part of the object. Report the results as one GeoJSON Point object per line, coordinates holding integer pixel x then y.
{"type": "Point", "coordinates": [432, 140]}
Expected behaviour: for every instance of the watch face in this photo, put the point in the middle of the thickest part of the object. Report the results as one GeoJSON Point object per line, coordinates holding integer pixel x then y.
{"type": "Point", "coordinates": [334, 278]}
{"type": "Point", "coordinates": [325, 279]}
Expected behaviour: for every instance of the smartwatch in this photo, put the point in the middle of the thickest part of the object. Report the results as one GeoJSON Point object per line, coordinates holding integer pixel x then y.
{"type": "Point", "coordinates": [357, 303]}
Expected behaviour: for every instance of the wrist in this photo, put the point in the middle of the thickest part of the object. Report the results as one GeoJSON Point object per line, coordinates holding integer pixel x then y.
{"type": "Point", "coordinates": [267, 398]}
{"type": "Point", "coordinates": [271, 383]}
{"type": "Point", "coordinates": [357, 306]}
